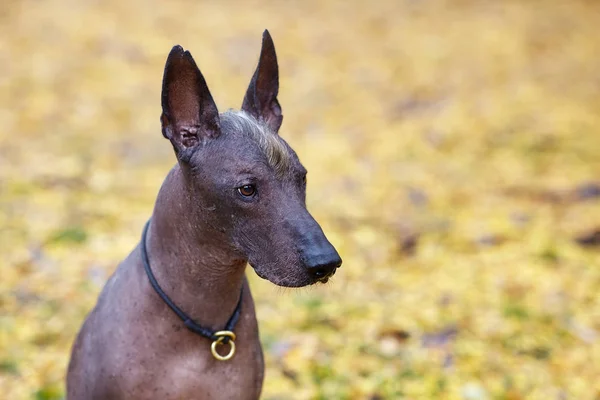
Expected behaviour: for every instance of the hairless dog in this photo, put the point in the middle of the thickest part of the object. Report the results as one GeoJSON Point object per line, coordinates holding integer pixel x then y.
{"type": "Point", "coordinates": [176, 320]}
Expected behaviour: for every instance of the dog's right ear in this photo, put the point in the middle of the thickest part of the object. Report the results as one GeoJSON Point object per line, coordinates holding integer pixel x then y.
{"type": "Point", "coordinates": [189, 113]}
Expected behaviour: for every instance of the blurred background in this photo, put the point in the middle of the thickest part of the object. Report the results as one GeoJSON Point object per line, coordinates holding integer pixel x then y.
{"type": "Point", "coordinates": [453, 150]}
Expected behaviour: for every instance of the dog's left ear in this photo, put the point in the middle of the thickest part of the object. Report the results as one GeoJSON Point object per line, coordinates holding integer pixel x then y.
{"type": "Point", "coordinates": [261, 96]}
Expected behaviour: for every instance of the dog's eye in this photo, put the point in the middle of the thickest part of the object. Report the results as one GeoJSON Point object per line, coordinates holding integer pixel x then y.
{"type": "Point", "coordinates": [247, 190]}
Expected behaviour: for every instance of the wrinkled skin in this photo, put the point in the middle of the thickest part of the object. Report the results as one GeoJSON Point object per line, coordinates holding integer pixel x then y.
{"type": "Point", "coordinates": [222, 206]}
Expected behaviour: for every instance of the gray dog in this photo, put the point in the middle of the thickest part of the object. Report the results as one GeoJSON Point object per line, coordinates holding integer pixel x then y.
{"type": "Point", "coordinates": [176, 320]}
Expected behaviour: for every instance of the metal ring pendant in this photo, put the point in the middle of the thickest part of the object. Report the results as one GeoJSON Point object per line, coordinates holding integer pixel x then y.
{"type": "Point", "coordinates": [221, 336]}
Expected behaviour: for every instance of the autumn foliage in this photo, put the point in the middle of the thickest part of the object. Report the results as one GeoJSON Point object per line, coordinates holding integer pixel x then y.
{"type": "Point", "coordinates": [453, 150]}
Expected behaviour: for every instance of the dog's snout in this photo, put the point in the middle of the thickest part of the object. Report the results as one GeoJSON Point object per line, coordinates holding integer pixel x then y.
{"type": "Point", "coordinates": [318, 256]}
{"type": "Point", "coordinates": [322, 265]}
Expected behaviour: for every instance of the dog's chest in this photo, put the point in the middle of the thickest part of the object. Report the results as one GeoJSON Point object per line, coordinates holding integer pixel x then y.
{"type": "Point", "coordinates": [195, 376]}
{"type": "Point", "coordinates": [231, 382]}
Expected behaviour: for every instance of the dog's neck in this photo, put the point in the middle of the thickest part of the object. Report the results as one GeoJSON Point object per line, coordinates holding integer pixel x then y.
{"type": "Point", "coordinates": [192, 264]}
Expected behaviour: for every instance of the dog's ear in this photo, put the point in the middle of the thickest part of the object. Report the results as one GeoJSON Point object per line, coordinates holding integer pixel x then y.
{"type": "Point", "coordinates": [261, 96]}
{"type": "Point", "coordinates": [189, 114]}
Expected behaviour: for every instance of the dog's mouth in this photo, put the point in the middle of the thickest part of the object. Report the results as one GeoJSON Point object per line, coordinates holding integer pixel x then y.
{"type": "Point", "coordinates": [327, 278]}
{"type": "Point", "coordinates": [289, 280]}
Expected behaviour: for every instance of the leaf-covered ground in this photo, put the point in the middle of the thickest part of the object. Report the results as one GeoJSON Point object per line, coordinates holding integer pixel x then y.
{"type": "Point", "coordinates": [454, 158]}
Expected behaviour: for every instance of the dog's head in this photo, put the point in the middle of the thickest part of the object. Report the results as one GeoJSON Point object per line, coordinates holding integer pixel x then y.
{"type": "Point", "coordinates": [247, 183]}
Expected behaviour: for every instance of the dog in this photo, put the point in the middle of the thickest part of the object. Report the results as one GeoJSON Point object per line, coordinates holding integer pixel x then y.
{"type": "Point", "coordinates": [176, 320]}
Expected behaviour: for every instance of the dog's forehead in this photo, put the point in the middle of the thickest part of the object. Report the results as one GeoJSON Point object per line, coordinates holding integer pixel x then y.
{"type": "Point", "coordinates": [254, 139]}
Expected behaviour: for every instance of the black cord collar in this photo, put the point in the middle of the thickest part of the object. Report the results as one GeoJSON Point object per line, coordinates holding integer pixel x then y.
{"type": "Point", "coordinates": [188, 322]}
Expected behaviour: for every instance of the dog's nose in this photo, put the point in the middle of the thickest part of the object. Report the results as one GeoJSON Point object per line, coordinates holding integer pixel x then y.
{"type": "Point", "coordinates": [324, 266]}
{"type": "Point", "coordinates": [319, 257]}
